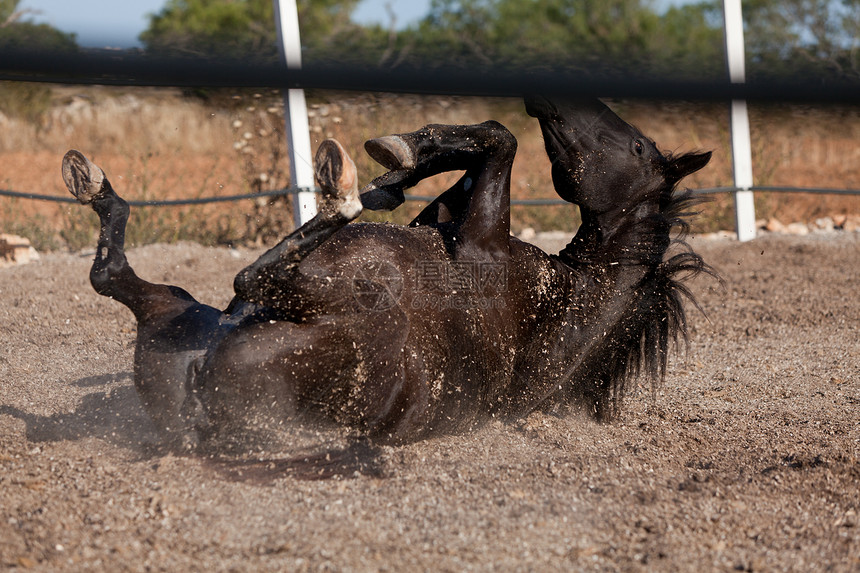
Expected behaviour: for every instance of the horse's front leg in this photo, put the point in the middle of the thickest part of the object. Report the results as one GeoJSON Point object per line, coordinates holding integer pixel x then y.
{"type": "Point", "coordinates": [479, 203]}
{"type": "Point", "coordinates": [273, 279]}
{"type": "Point", "coordinates": [173, 329]}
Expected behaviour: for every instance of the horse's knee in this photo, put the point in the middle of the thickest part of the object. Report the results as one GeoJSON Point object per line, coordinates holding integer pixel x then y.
{"type": "Point", "coordinates": [108, 275]}
{"type": "Point", "coordinates": [498, 141]}
{"type": "Point", "coordinates": [243, 284]}
{"type": "Point", "coordinates": [499, 138]}
{"type": "Point", "coordinates": [272, 285]}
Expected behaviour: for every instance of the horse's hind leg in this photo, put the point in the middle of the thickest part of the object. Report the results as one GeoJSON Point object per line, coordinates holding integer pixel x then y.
{"type": "Point", "coordinates": [111, 275]}
{"type": "Point", "coordinates": [271, 279]}
{"type": "Point", "coordinates": [412, 157]}
{"type": "Point", "coordinates": [479, 202]}
{"type": "Point", "coordinates": [173, 329]}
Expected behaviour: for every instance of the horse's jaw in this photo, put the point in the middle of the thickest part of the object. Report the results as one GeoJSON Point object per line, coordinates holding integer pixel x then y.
{"type": "Point", "coordinates": [638, 235]}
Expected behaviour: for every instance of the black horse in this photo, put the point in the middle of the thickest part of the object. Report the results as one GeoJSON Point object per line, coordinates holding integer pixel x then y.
{"type": "Point", "coordinates": [405, 332]}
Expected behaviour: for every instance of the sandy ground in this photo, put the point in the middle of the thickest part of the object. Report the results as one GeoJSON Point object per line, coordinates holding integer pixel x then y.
{"type": "Point", "coordinates": [747, 460]}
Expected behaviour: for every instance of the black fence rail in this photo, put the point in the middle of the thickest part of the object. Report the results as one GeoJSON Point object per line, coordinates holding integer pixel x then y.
{"type": "Point", "coordinates": [133, 68]}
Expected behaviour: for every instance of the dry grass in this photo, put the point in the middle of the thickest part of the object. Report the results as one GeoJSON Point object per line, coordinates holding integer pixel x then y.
{"type": "Point", "coordinates": [156, 143]}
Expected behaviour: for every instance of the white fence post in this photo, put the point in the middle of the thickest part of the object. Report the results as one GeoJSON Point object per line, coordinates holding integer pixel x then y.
{"type": "Point", "coordinates": [740, 125]}
{"type": "Point", "coordinates": [296, 116]}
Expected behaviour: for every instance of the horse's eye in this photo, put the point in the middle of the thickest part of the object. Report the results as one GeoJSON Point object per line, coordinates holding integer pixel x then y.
{"type": "Point", "coordinates": [638, 148]}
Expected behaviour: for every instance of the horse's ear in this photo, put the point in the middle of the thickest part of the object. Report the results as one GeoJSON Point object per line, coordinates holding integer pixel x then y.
{"type": "Point", "coordinates": [680, 167]}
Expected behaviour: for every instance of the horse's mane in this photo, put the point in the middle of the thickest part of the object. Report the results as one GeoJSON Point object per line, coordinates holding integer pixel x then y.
{"type": "Point", "coordinates": [659, 318]}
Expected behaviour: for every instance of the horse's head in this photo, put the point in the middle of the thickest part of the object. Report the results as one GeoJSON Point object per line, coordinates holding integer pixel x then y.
{"type": "Point", "coordinates": [602, 163]}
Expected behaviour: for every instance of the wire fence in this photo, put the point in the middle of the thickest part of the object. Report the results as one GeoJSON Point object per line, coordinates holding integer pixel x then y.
{"type": "Point", "coordinates": [418, 198]}
{"type": "Point", "coordinates": [166, 202]}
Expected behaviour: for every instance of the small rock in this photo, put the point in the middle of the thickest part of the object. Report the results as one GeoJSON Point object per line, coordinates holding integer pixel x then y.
{"type": "Point", "coordinates": [774, 226]}
{"type": "Point", "coordinates": [797, 229]}
{"type": "Point", "coordinates": [839, 221]}
{"type": "Point", "coordinates": [528, 234]}
{"type": "Point", "coordinates": [825, 224]}
{"type": "Point", "coordinates": [15, 250]}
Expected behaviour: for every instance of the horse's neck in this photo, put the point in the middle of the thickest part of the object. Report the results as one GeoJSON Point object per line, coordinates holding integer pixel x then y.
{"type": "Point", "coordinates": [636, 238]}
{"type": "Point", "coordinates": [598, 295]}
{"type": "Point", "coordinates": [609, 264]}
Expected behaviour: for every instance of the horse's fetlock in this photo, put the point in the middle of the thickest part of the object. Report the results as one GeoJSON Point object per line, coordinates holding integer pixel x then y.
{"type": "Point", "coordinates": [350, 208]}
{"type": "Point", "coordinates": [111, 208]}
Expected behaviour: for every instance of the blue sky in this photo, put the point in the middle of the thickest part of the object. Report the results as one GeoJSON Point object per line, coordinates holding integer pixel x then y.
{"type": "Point", "coordinates": [117, 23]}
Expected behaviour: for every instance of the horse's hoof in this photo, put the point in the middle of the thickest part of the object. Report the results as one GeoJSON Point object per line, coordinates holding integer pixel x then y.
{"type": "Point", "coordinates": [392, 152]}
{"type": "Point", "coordinates": [338, 179]}
{"type": "Point", "coordinates": [84, 178]}
{"type": "Point", "coordinates": [385, 193]}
